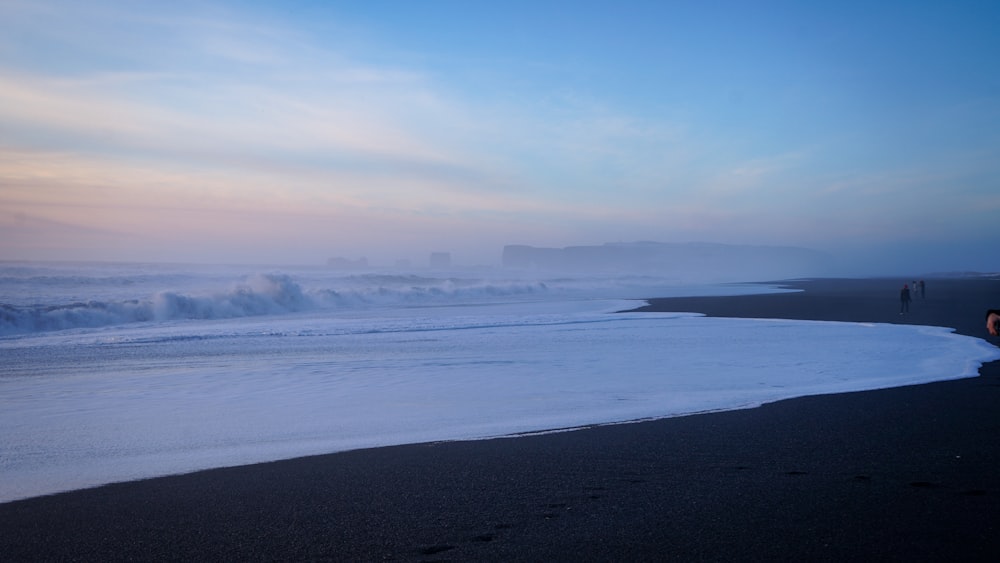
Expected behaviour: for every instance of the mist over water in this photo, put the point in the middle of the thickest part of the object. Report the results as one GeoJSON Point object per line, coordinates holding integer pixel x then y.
{"type": "Point", "coordinates": [33, 301]}
{"type": "Point", "coordinates": [39, 297]}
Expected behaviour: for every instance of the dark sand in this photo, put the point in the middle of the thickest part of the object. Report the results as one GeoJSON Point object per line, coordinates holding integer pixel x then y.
{"type": "Point", "coordinates": [910, 473]}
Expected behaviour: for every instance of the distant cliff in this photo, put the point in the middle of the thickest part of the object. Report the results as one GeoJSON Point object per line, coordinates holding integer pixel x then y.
{"type": "Point", "coordinates": [683, 261]}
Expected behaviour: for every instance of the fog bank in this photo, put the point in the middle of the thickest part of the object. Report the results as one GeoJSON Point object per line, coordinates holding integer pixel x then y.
{"type": "Point", "coordinates": [684, 262]}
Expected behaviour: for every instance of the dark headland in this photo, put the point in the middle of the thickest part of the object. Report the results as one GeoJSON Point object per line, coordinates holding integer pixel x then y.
{"type": "Point", "coordinates": [904, 474]}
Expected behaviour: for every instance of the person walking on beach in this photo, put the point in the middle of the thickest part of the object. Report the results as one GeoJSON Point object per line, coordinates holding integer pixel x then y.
{"type": "Point", "coordinates": [922, 294]}
{"type": "Point", "coordinates": [904, 299]}
{"type": "Point", "coordinates": [993, 322]}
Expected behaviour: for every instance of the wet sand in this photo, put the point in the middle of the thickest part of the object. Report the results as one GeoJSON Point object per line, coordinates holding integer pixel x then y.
{"type": "Point", "coordinates": [910, 473]}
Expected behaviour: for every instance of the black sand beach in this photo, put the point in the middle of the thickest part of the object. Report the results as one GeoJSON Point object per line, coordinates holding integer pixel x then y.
{"type": "Point", "coordinates": [910, 473]}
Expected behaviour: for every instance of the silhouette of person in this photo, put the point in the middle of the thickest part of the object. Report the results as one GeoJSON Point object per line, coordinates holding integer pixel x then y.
{"type": "Point", "coordinates": [904, 299]}
{"type": "Point", "coordinates": [993, 322]}
{"type": "Point", "coordinates": [922, 288]}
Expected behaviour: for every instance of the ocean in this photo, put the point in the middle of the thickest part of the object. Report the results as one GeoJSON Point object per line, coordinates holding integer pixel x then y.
{"type": "Point", "coordinates": [115, 372]}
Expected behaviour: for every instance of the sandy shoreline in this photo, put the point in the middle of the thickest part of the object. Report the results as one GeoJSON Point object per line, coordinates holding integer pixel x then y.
{"type": "Point", "coordinates": [911, 473]}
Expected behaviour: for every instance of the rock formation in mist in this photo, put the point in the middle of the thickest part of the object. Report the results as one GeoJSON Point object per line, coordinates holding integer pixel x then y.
{"type": "Point", "coordinates": [689, 261]}
{"type": "Point", "coordinates": [341, 263]}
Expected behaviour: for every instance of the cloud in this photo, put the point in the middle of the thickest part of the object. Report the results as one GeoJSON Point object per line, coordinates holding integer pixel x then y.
{"type": "Point", "coordinates": [208, 117]}
{"type": "Point", "coordinates": [283, 124]}
{"type": "Point", "coordinates": [165, 82]}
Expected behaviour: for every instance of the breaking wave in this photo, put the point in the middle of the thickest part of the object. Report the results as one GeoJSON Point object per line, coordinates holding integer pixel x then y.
{"type": "Point", "coordinates": [260, 294]}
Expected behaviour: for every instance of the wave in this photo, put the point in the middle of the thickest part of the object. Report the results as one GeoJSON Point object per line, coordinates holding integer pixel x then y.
{"type": "Point", "coordinates": [260, 294]}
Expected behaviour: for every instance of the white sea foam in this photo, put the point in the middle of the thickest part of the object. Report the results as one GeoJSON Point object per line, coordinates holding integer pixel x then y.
{"type": "Point", "coordinates": [228, 368]}
{"type": "Point", "coordinates": [40, 299]}
{"type": "Point", "coordinates": [26, 308]}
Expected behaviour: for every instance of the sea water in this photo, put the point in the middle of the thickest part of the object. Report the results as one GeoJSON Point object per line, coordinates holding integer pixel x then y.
{"type": "Point", "coordinates": [114, 372]}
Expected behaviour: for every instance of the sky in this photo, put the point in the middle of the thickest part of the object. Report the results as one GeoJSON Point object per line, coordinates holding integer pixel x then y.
{"type": "Point", "coordinates": [292, 132]}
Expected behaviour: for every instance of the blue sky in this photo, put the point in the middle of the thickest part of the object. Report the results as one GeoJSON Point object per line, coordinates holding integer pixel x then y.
{"type": "Point", "coordinates": [291, 132]}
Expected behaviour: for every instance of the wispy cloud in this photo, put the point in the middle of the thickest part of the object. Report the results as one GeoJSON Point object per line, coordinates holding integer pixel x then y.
{"type": "Point", "coordinates": [384, 135]}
